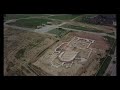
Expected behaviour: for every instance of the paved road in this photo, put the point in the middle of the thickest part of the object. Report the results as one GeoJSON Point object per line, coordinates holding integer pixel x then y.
{"type": "Point", "coordinates": [48, 28]}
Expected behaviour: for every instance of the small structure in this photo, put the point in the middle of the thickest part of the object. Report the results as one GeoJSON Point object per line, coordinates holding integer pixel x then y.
{"type": "Point", "coordinates": [39, 27]}
{"type": "Point", "coordinates": [49, 23]}
{"type": "Point", "coordinates": [43, 24]}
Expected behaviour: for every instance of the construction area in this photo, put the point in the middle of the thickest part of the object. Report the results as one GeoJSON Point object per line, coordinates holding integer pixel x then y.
{"type": "Point", "coordinates": [71, 56]}
{"type": "Point", "coordinates": [55, 45]}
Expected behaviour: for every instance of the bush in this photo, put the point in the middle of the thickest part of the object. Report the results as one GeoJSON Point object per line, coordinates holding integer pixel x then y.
{"type": "Point", "coordinates": [104, 66]}
{"type": "Point", "coordinates": [20, 53]}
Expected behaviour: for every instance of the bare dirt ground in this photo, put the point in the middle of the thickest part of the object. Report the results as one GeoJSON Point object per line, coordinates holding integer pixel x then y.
{"type": "Point", "coordinates": [99, 40]}
{"type": "Point", "coordinates": [22, 46]}
{"type": "Point", "coordinates": [44, 62]}
{"type": "Point", "coordinates": [32, 53]}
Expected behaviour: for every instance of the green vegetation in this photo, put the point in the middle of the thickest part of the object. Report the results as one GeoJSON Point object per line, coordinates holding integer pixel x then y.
{"type": "Point", "coordinates": [112, 33]}
{"type": "Point", "coordinates": [104, 66]}
{"type": "Point", "coordinates": [20, 53]}
{"type": "Point", "coordinates": [107, 58]}
{"type": "Point", "coordinates": [113, 48]}
{"type": "Point", "coordinates": [59, 32]}
{"type": "Point", "coordinates": [30, 23]}
{"type": "Point", "coordinates": [64, 17]}
{"type": "Point", "coordinates": [17, 16]}
{"type": "Point", "coordinates": [112, 42]}
{"type": "Point", "coordinates": [84, 18]}
{"type": "Point", "coordinates": [102, 59]}
{"type": "Point", "coordinates": [82, 28]}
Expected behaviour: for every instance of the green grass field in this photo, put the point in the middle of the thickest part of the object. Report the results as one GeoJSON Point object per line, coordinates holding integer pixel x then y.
{"type": "Point", "coordinates": [58, 32]}
{"type": "Point", "coordinates": [82, 28]}
{"type": "Point", "coordinates": [30, 23]}
{"type": "Point", "coordinates": [64, 17]}
{"type": "Point", "coordinates": [17, 16]}
{"type": "Point", "coordinates": [112, 33]}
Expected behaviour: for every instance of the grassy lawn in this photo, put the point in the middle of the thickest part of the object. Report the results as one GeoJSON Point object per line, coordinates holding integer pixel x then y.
{"type": "Point", "coordinates": [64, 17]}
{"type": "Point", "coordinates": [30, 23]}
{"type": "Point", "coordinates": [82, 28]}
{"type": "Point", "coordinates": [104, 66]}
{"type": "Point", "coordinates": [58, 32]}
{"type": "Point", "coordinates": [17, 16]}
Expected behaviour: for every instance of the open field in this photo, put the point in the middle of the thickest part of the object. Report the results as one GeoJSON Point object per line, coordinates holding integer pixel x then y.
{"type": "Point", "coordinates": [30, 23]}
{"type": "Point", "coordinates": [51, 63]}
{"type": "Point", "coordinates": [59, 32]}
{"type": "Point", "coordinates": [82, 28]}
{"type": "Point", "coordinates": [22, 46]}
{"type": "Point", "coordinates": [17, 16]}
{"type": "Point", "coordinates": [89, 27]}
{"type": "Point", "coordinates": [34, 54]}
{"type": "Point", "coordinates": [64, 17]}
